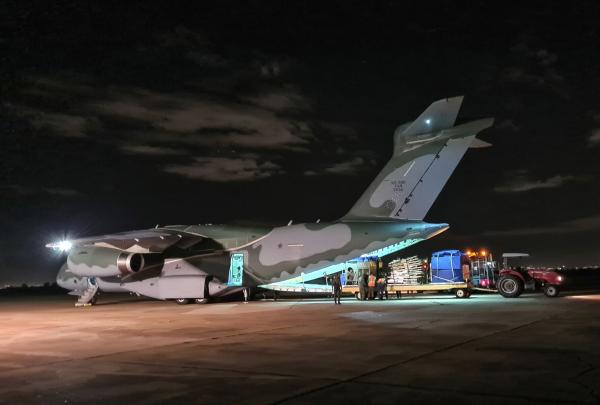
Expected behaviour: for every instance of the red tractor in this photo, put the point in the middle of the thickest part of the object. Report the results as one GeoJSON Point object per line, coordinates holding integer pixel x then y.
{"type": "Point", "coordinates": [513, 280]}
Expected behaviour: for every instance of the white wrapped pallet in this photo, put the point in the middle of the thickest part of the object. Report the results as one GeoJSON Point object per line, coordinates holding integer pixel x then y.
{"type": "Point", "coordinates": [407, 271]}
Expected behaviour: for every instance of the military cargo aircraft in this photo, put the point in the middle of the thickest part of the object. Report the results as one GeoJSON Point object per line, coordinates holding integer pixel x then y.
{"type": "Point", "coordinates": [193, 263]}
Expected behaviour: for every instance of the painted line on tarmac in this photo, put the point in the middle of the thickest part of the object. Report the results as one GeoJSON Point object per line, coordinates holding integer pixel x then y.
{"type": "Point", "coordinates": [543, 400]}
{"type": "Point", "coordinates": [418, 357]}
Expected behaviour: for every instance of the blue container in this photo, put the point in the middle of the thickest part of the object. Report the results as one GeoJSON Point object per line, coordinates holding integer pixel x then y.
{"type": "Point", "coordinates": [446, 267]}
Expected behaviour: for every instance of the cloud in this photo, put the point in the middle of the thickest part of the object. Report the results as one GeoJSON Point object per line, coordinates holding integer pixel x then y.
{"type": "Point", "coordinates": [232, 106]}
{"type": "Point", "coordinates": [509, 125]}
{"type": "Point", "coordinates": [340, 130]}
{"type": "Point", "coordinates": [151, 150]}
{"type": "Point", "coordinates": [61, 191]}
{"type": "Point", "coordinates": [32, 190]}
{"type": "Point", "coordinates": [191, 119]}
{"type": "Point", "coordinates": [523, 183]}
{"type": "Point", "coordinates": [196, 44]}
{"type": "Point", "coordinates": [538, 68]}
{"type": "Point", "coordinates": [270, 69]}
{"type": "Point", "coordinates": [585, 224]}
{"type": "Point", "coordinates": [594, 138]}
{"type": "Point", "coordinates": [220, 169]}
{"type": "Point", "coordinates": [279, 100]}
{"type": "Point", "coordinates": [542, 56]}
{"type": "Point", "coordinates": [548, 77]}
{"type": "Point", "coordinates": [62, 124]}
{"type": "Point", "coordinates": [545, 57]}
{"type": "Point", "coordinates": [348, 167]}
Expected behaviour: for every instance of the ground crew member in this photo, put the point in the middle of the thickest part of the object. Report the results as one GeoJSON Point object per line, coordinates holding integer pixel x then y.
{"type": "Point", "coordinates": [337, 289]}
{"type": "Point", "coordinates": [371, 285]}
{"type": "Point", "coordinates": [380, 287]}
{"type": "Point", "coordinates": [362, 287]}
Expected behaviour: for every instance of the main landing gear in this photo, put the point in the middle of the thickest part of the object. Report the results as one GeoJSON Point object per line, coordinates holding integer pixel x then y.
{"type": "Point", "coordinates": [185, 301]}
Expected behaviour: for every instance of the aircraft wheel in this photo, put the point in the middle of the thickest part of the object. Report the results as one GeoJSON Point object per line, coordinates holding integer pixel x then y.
{"type": "Point", "coordinates": [182, 301]}
{"type": "Point", "coordinates": [201, 300]}
{"type": "Point", "coordinates": [551, 291]}
{"type": "Point", "coordinates": [510, 286]}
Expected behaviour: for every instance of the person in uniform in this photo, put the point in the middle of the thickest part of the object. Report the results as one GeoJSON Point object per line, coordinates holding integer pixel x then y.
{"type": "Point", "coordinates": [380, 287]}
{"type": "Point", "coordinates": [371, 284]}
{"type": "Point", "coordinates": [337, 289]}
{"type": "Point", "coordinates": [362, 286]}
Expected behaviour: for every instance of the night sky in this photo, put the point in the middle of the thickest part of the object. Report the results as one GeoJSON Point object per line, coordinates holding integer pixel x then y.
{"type": "Point", "coordinates": [123, 115]}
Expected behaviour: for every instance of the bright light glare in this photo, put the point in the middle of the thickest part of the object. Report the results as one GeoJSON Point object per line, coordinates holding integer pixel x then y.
{"type": "Point", "coordinates": [427, 121]}
{"type": "Point", "coordinates": [65, 245]}
{"type": "Point", "coordinates": [62, 246]}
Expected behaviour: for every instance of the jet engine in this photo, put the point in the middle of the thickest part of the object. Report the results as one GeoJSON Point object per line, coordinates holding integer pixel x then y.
{"type": "Point", "coordinates": [179, 279]}
{"type": "Point", "coordinates": [94, 261]}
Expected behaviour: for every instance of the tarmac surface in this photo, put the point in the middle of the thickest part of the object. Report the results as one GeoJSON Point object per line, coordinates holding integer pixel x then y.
{"type": "Point", "coordinates": [417, 350]}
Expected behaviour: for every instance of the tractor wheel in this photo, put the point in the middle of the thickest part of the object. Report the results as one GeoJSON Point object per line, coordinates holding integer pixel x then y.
{"type": "Point", "coordinates": [357, 296]}
{"type": "Point", "coordinates": [182, 301]}
{"type": "Point", "coordinates": [510, 286]}
{"type": "Point", "coordinates": [551, 290]}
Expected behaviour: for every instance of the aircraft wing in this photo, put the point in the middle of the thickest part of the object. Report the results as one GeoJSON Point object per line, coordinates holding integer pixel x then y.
{"type": "Point", "coordinates": [142, 241]}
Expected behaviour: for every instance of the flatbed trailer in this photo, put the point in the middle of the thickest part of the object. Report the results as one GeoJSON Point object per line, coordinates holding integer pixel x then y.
{"type": "Point", "coordinates": [461, 290]}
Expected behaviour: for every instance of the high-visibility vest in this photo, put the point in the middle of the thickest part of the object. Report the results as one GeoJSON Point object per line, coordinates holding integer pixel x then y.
{"type": "Point", "coordinates": [371, 281]}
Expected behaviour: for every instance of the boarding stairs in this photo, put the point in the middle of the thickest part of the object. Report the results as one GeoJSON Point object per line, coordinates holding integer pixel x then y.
{"type": "Point", "coordinates": [88, 296]}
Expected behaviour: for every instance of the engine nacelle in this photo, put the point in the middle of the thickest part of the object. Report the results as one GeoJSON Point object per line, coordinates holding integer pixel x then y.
{"type": "Point", "coordinates": [103, 262]}
{"type": "Point", "coordinates": [183, 286]}
{"type": "Point", "coordinates": [179, 279]}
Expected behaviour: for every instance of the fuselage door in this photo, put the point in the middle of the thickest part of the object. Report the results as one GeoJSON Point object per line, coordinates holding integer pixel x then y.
{"type": "Point", "coordinates": [236, 270]}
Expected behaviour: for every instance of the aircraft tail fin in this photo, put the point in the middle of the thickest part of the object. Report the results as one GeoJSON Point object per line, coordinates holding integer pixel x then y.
{"type": "Point", "coordinates": [439, 115]}
{"type": "Point", "coordinates": [422, 163]}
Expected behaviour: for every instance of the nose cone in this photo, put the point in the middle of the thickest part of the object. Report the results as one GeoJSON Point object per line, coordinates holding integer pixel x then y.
{"type": "Point", "coordinates": [67, 280]}
{"type": "Point", "coordinates": [61, 277]}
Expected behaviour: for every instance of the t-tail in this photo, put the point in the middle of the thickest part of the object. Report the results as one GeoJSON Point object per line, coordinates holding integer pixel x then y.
{"type": "Point", "coordinates": [426, 152]}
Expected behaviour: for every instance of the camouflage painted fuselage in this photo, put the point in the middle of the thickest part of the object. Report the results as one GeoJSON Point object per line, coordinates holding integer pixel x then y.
{"type": "Point", "coordinates": [281, 253]}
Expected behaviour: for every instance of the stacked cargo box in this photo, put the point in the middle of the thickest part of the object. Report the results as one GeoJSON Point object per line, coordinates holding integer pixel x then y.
{"type": "Point", "coordinates": [406, 271]}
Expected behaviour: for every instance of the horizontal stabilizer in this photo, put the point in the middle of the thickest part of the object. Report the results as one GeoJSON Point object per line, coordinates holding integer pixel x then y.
{"type": "Point", "coordinates": [478, 143]}
{"type": "Point", "coordinates": [469, 128]}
